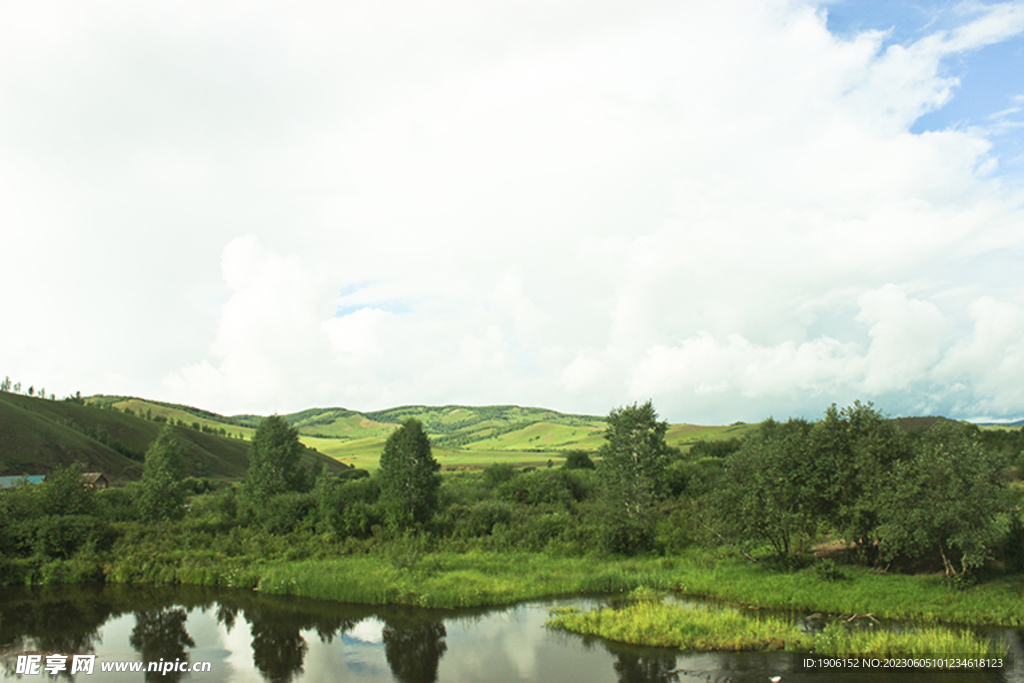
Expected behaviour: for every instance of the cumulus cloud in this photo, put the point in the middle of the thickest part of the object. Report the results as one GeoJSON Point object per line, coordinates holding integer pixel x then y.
{"type": "Point", "coordinates": [718, 205]}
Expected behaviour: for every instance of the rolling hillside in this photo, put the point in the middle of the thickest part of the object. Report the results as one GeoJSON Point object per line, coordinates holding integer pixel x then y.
{"type": "Point", "coordinates": [36, 435]}
{"type": "Point", "coordinates": [112, 432]}
{"type": "Point", "coordinates": [462, 436]}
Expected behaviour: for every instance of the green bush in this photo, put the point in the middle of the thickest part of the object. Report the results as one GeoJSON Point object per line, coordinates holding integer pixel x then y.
{"type": "Point", "coordinates": [117, 504]}
{"type": "Point", "coordinates": [578, 460]}
{"type": "Point", "coordinates": [359, 519]}
{"type": "Point", "coordinates": [480, 519]}
{"type": "Point", "coordinates": [497, 474]}
{"type": "Point", "coordinates": [60, 536]}
{"type": "Point", "coordinates": [557, 487]}
{"type": "Point", "coordinates": [285, 512]}
{"type": "Point", "coordinates": [627, 537]}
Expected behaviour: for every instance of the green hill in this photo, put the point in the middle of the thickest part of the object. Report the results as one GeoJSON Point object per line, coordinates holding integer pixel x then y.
{"type": "Point", "coordinates": [462, 436]}
{"type": "Point", "coordinates": [37, 435]}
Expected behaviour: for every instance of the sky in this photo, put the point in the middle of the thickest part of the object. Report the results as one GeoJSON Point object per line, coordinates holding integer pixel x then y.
{"type": "Point", "coordinates": [735, 208]}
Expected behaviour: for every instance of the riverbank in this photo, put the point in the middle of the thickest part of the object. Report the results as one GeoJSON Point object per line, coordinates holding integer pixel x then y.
{"type": "Point", "coordinates": [398, 574]}
{"type": "Point", "coordinates": [477, 579]}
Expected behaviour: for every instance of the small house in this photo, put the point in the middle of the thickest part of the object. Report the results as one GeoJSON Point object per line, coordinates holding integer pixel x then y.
{"type": "Point", "coordinates": [95, 480]}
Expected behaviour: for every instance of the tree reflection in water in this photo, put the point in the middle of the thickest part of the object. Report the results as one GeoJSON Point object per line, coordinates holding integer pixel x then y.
{"type": "Point", "coordinates": [276, 624]}
{"type": "Point", "coordinates": [413, 646]}
{"type": "Point", "coordinates": [278, 648]}
{"type": "Point", "coordinates": [48, 620]}
{"type": "Point", "coordinates": [635, 666]}
{"type": "Point", "coordinates": [161, 634]}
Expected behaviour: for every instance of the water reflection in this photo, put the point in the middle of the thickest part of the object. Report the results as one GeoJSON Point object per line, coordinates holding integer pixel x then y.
{"type": "Point", "coordinates": [413, 646]}
{"type": "Point", "coordinates": [161, 635]}
{"type": "Point", "coordinates": [632, 667]}
{"type": "Point", "coordinates": [281, 639]}
{"type": "Point", "coordinates": [52, 621]}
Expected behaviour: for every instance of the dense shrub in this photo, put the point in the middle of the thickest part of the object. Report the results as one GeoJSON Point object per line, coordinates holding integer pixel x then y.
{"type": "Point", "coordinates": [60, 536]}
{"type": "Point", "coordinates": [285, 512]}
{"type": "Point", "coordinates": [543, 486]}
{"type": "Point", "coordinates": [578, 460]}
{"type": "Point", "coordinates": [497, 474]}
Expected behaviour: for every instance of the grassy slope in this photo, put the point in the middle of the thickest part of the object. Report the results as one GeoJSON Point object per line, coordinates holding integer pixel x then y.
{"type": "Point", "coordinates": [463, 436]}
{"type": "Point", "coordinates": [36, 435]}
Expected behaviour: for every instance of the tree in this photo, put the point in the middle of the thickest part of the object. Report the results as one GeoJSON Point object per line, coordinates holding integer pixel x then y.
{"type": "Point", "coordinates": [769, 490]}
{"type": "Point", "coordinates": [855, 451]}
{"type": "Point", "coordinates": [6, 384]}
{"type": "Point", "coordinates": [273, 460]}
{"type": "Point", "coordinates": [161, 496]}
{"type": "Point", "coordinates": [408, 476]}
{"type": "Point", "coordinates": [64, 493]}
{"type": "Point", "coordinates": [578, 460]}
{"type": "Point", "coordinates": [948, 498]}
{"type": "Point", "coordinates": [634, 458]}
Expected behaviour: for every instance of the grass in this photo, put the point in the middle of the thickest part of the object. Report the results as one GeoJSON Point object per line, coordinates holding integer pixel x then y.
{"type": "Point", "coordinates": [478, 578]}
{"type": "Point", "coordinates": [698, 628]}
{"type": "Point", "coordinates": [38, 435]}
{"type": "Point", "coordinates": [933, 641]}
{"type": "Point", "coordinates": [925, 598]}
{"type": "Point", "coordinates": [651, 623]}
{"type": "Point", "coordinates": [472, 579]}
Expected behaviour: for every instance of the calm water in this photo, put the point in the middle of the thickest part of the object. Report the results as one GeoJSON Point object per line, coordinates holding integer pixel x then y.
{"type": "Point", "coordinates": [248, 636]}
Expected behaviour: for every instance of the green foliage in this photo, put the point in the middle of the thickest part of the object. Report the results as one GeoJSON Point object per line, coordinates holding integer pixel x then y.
{"type": "Point", "coordinates": [948, 498]}
{"type": "Point", "coordinates": [553, 487]}
{"type": "Point", "coordinates": [856, 450]}
{"type": "Point", "coordinates": [283, 513]}
{"type": "Point", "coordinates": [498, 474]}
{"type": "Point", "coordinates": [64, 493]}
{"type": "Point", "coordinates": [60, 536]}
{"type": "Point", "coordinates": [676, 527]}
{"type": "Point", "coordinates": [273, 461]}
{"type": "Point", "coordinates": [714, 449]}
{"type": "Point", "coordinates": [828, 570]}
{"type": "Point", "coordinates": [633, 462]}
{"type": "Point", "coordinates": [578, 460]}
{"type": "Point", "coordinates": [693, 478]}
{"type": "Point", "coordinates": [161, 495]}
{"type": "Point", "coordinates": [408, 477]}
{"type": "Point", "coordinates": [347, 507]}
{"type": "Point", "coordinates": [481, 519]}
{"type": "Point", "coordinates": [117, 504]}
{"type": "Point", "coordinates": [769, 493]}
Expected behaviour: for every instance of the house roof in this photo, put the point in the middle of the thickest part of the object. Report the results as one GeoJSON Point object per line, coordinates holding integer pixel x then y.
{"type": "Point", "coordinates": [21, 480]}
{"type": "Point", "coordinates": [93, 477]}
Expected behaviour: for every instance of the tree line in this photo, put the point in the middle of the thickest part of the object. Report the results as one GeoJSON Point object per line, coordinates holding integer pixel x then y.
{"type": "Point", "coordinates": [884, 496]}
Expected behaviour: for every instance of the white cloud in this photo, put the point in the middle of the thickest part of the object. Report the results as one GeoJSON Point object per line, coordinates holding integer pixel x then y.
{"type": "Point", "coordinates": [989, 362]}
{"type": "Point", "coordinates": [906, 338]}
{"type": "Point", "coordinates": [717, 204]}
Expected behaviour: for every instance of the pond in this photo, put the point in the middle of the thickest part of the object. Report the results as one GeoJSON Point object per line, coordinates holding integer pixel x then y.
{"type": "Point", "coordinates": [249, 636]}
